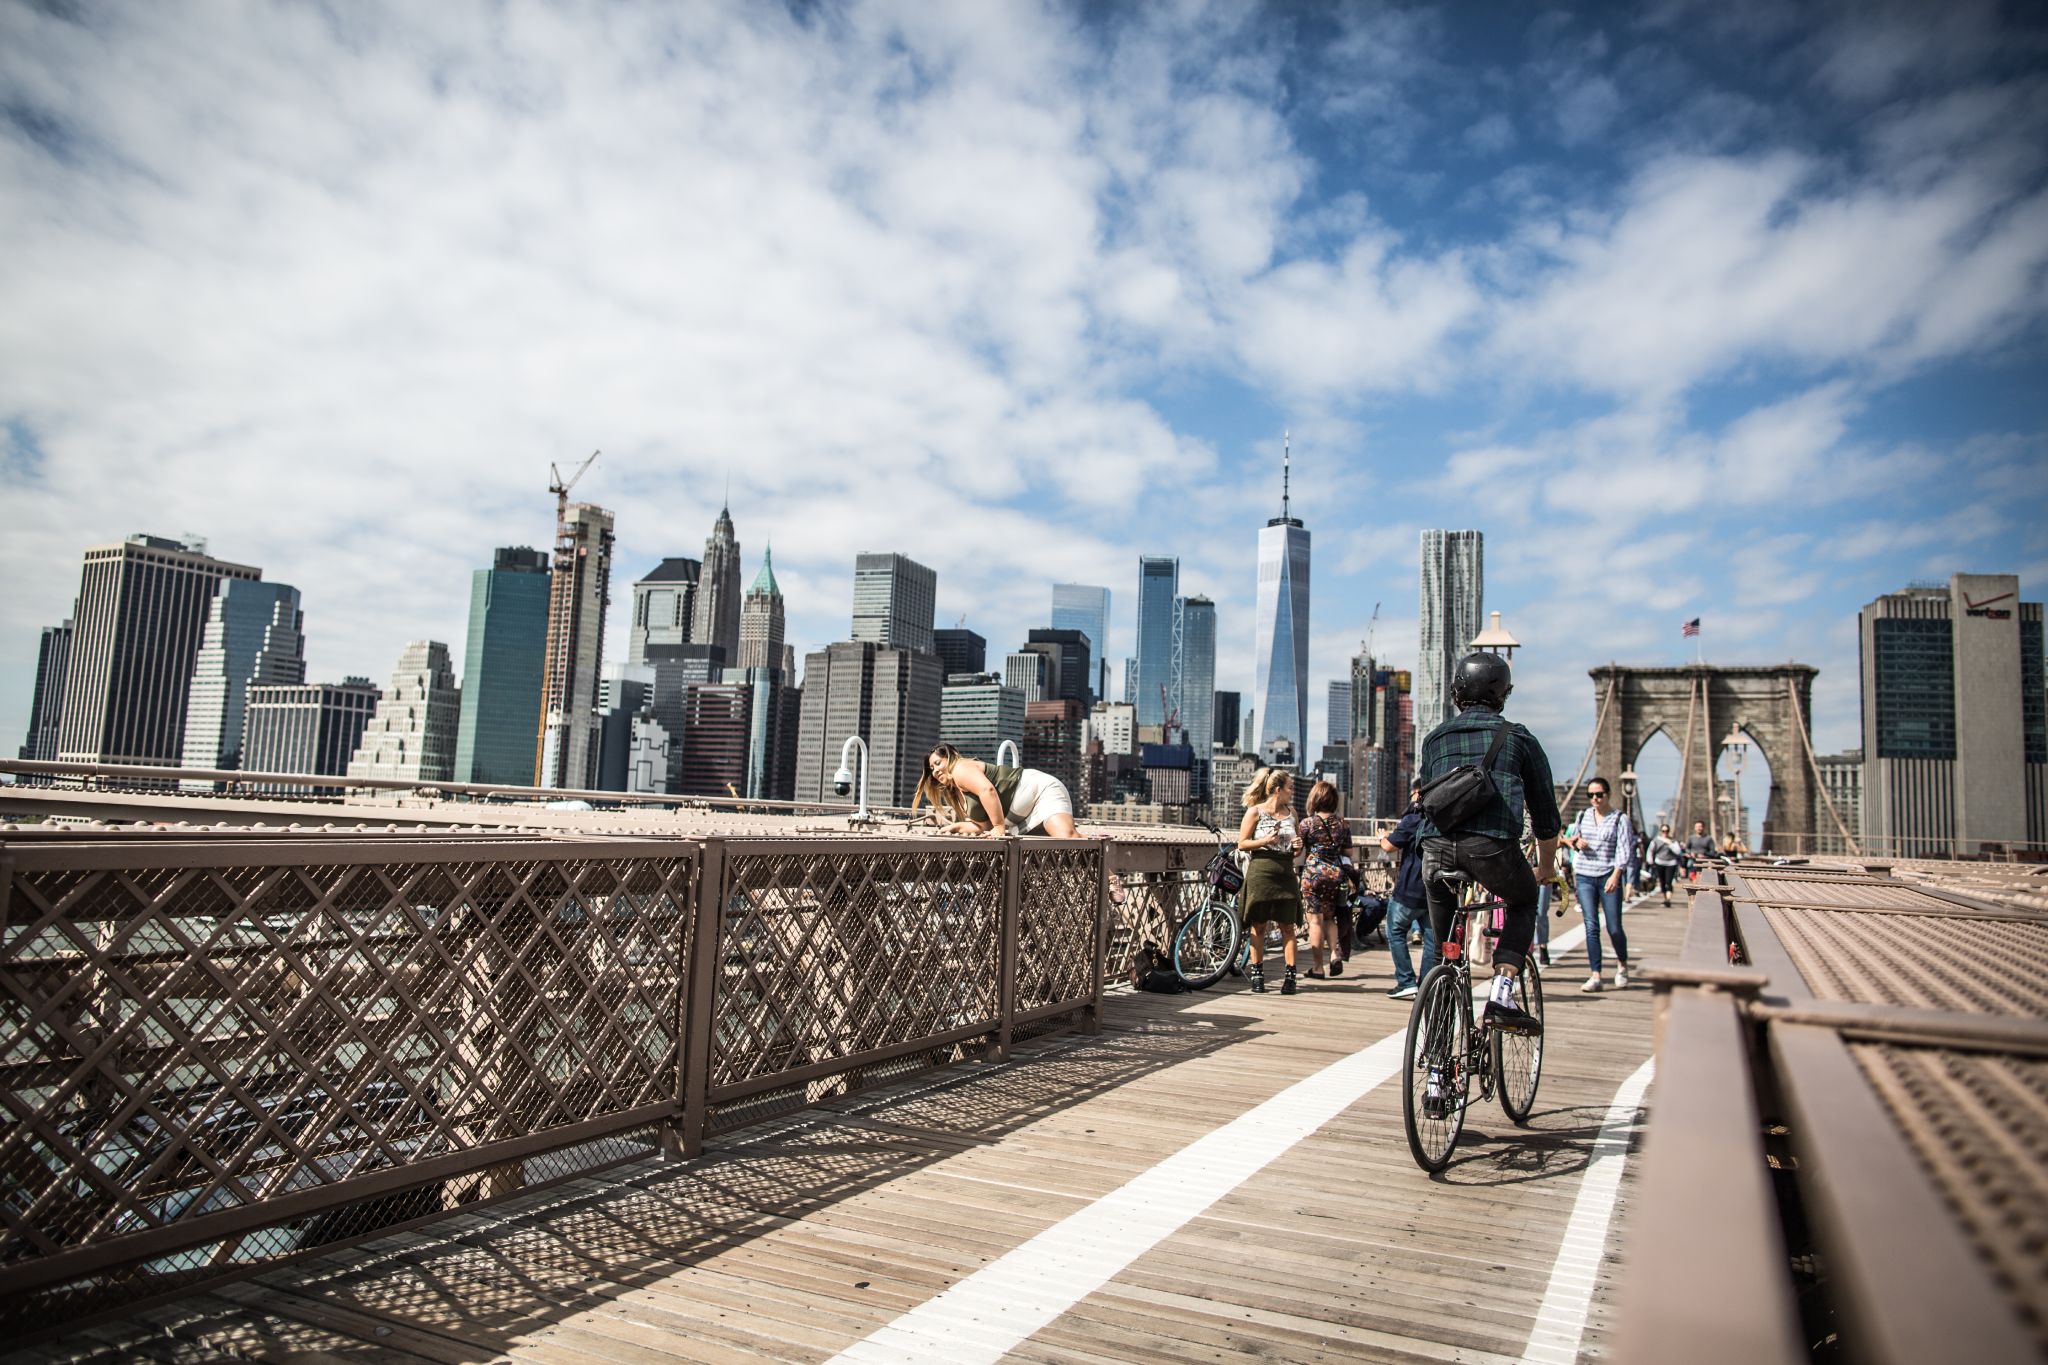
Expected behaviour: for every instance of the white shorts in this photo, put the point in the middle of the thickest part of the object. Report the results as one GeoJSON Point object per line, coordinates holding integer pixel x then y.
{"type": "Point", "coordinates": [1039, 797]}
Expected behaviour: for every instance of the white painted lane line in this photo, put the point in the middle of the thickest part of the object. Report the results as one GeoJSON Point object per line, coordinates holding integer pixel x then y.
{"type": "Point", "coordinates": [985, 1316]}
{"type": "Point", "coordinates": [1561, 1321]}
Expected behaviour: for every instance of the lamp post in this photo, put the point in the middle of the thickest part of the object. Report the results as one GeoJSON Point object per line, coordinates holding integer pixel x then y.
{"type": "Point", "coordinates": [842, 781]}
{"type": "Point", "coordinates": [1494, 640]}
{"type": "Point", "coordinates": [1736, 747]}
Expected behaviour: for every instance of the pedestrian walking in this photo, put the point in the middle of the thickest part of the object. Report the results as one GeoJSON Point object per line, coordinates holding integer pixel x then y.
{"type": "Point", "coordinates": [1409, 904]}
{"type": "Point", "coordinates": [1324, 840]}
{"type": "Point", "coordinates": [1603, 841]}
{"type": "Point", "coordinates": [1271, 896]}
{"type": "Point", "coordinates": [1699, 848]}
{"type": "Point", "coordinates": [1664, 856]}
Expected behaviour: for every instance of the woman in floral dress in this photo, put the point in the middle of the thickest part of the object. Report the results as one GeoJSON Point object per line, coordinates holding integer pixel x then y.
{"type": "Point", "coordinates": [1324, 839]}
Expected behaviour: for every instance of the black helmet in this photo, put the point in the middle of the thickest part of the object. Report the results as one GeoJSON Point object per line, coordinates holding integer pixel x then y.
{"type": "Point", "coordinates": [1482, 680]}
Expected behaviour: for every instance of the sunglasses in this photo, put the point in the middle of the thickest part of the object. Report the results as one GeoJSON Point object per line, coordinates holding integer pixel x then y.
{"type": "Point", "coordinates": [1598, 796]}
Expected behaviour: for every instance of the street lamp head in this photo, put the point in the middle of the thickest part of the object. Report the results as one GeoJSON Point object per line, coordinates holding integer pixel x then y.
{"type": "Point", "coordinates": [1628, 783]}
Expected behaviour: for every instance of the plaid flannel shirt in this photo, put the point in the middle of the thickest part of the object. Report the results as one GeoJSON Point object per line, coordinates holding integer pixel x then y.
{"type": "Point", "coordinates": [1521, 773]}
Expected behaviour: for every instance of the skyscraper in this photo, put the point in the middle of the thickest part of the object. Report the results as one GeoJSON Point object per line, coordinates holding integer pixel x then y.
{"type": "Point", "coordinates": [622, 697]}
{"type": "Point", "coordinates": [889, 697]}
{"type": "Point", "coordinates": [46, 707]}
{"type": "Point", "coordinates": [1453, 592]}
{"type": "Point", "coordinates": [717, 617]}
{"type": "Point", "coordinates": [578, 591]}
{"type": "Point", "coordinates": [308, 728]}
{"type": "Point", "coordinates": [1339, 723]}
{"type": "Point", "coordinates": [976, 717]}
{"type": "Point", "coordinates": [253, 635]}
{"type": "Point", "coordinates": [1955, 721]}
{"type": "Point", "coordinates": [1068, 672]}
{"type": "Point", "coordinates": [1158, 586]}
{"type": "Point", "coordinates": [502, 664]}
{"type": "Point", "coordinates": [775, 716]}
{"type": "Point", "coordinates": [761, 622]}
{"type": "Point", "coordinates": [1082, 607]}
{"type": "Point", "coordinates": [1029, 672]}
{"type": "Point", "coordinates": [1280, 642]}
{"type": "Point", "coordinates": [1229, 711]}
{"type": "Point", "coordinates": [1194, 684]}
{"type": "Point", "coordinates": [411, 738]}
{"type": "Point", "coordinates": [961, 651]}
{"type": "Point", "coordinates": [141, 616]}
{"type": "Point", "coordinates": [664, 608]}
{"type": "Point", "coordinates": [893, 600]}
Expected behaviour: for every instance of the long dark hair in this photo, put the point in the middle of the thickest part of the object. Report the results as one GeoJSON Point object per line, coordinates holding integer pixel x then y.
{"type": "Point", "coordinates": [937, 790]}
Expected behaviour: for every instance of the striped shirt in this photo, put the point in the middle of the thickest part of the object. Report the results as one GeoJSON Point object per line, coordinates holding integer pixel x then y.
{"type": "Point", "coordinates": [1608, 842]}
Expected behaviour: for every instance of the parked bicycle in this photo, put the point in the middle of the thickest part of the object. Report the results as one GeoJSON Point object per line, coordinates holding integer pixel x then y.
{"type": "Point", "coordinates": [1211, 941]}
{"type": "Point", "coordinates": [1445, 1055]}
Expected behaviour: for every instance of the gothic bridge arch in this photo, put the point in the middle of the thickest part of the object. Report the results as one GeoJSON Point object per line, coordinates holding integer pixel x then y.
{"type": "Point", "coordinates": [1697, 705]}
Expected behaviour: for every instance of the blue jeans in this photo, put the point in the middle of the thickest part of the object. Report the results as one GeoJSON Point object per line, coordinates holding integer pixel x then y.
{"type": "Point", "coordinates": [1400, 918]}
{"type": "Point", "coordinates": [1594, 899]}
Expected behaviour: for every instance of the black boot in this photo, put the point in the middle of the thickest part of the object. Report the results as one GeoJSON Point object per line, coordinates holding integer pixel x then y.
{"type": "Point", "coordinates": [1257, 973]}
{"type": "Point", "coordinates": [1287, 986]}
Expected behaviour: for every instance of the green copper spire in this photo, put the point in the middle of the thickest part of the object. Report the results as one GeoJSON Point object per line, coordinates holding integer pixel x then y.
{"type": "Point", "coordinates": [764, 581]}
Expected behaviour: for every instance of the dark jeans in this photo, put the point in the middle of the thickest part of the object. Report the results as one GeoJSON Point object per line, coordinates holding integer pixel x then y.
{"type": "Point", "coordinates": [1497, 865]}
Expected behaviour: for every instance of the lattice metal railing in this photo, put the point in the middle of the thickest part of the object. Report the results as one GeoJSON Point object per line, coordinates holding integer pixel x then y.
{"type": "Point", "coordinates": [213, 1062]}
{"type": "Point", "coordinates": [219, 1053]}
{"type": "Point", "coordinates": [1152, 907]}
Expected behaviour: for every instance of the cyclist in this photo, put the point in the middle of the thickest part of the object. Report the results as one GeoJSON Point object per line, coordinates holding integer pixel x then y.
{"type": "Point", "coordinates": [1487, 846]}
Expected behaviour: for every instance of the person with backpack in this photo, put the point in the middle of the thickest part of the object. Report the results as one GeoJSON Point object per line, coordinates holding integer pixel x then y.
{"type": "Point", "coordinates": [1271, 896]}
{"type": "Point", "coordinates": [1477, 772]}
{"type": "Point", "coordinates": [1325, 870]}
{"type": "Point", "coordinates": [1408, 905]}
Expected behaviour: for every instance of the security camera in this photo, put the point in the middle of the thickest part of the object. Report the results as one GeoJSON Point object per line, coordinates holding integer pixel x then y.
{"type": "Point", "coordinates": [842, 782]}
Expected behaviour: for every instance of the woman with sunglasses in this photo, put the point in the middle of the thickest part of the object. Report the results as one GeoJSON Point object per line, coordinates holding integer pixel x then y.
{"type": "Point", "coordinates": [1603, 841]}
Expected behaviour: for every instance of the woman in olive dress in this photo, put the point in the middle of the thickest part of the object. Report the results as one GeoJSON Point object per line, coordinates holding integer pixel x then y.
{"type": "Point", "coordinates": [1271, 895]}
{"type": "Point", "coordinates": [987, 799]}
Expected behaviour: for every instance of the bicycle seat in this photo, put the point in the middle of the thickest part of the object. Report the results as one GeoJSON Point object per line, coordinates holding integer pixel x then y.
{"type": "Point", "coordinates": [1455, 878]}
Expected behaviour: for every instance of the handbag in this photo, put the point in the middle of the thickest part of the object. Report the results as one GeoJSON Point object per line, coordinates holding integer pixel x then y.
{"type": "Point", "coordinates": [1452, 800]}
{"type": "Point", "coordinates": [1223, 872]}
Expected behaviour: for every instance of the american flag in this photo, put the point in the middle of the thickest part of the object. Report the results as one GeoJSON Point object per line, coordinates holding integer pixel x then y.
{"type": "Point", "coordinates": [1691, 627]}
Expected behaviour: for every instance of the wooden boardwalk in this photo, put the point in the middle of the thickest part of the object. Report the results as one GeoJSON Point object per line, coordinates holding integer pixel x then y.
{"type": "Point", "coordinates": [796, 1239]}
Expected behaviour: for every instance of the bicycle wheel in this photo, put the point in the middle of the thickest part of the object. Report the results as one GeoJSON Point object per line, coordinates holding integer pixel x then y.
{"type": "Point", "coordinates": [1433, 1059]}
{"type": "Point", "coordinates": [1206, 944]}
{"type": "Point", "coordinates": [1518, 1058]}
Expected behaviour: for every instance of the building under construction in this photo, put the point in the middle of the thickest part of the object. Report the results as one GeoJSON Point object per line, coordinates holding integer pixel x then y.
{"type": "Point", "coordinates": [566, 751]}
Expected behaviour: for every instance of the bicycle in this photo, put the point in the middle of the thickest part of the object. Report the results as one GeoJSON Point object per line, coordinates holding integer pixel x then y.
{"type": "Point", "coordinates": [1444, 1054]}
{"type": "Point", "coordinates": [1211, 941]}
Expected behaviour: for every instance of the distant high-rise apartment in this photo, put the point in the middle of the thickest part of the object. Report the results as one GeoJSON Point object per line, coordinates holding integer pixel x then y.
{"type": "Point", "coordinates": [1053, 735]}
{"type": "Point", "coordinates": [1158, 587]}
{"type": "Point", "coordinates": [1069, 670]}
{"type": "Point", "coordinates": [961, 651]}
{"type": "Point", "coordinates": [894, 597]}
{"type": "Point", "coordinates": [761, 620]}
{"type": "Point", "coordinates": [717, 616]}
{"type": "Point", "coordinates": [976, 716]}
{"type": "Point", "coordinates": [623, 694]}
{"type": "Point", "coordinates": [1228, 712]}
{"type": "Point", "coordinates": [1339, 722]}
{"type": "Point", "coordinates": [1194, 684]}
{"type": "Point", "coordinates": [1841, 778]}
{"type": "Point", "coordinates": [1029, 672]}
{"type": "Point", "coordinates": [1083, 607]}
{"type": "Point", "coordinates": [46, 706]}
{"type": "Point", "coordinates": [775, 718]}
{"type": "Point", "coordinates": [1280, 640]}
{"type": "Point", "coordinates": [503, 663]}
{"type": "Point", "coordinates": [1955, 732]}
{"type": "Point", "coordinates": [1131, 680]}
{"type": "Point", "coordinates": [1453, 593]}
{"type": "Point", "coordinates": [254, 634]}
{"type": "Point", "coordinates": [677, 669]}
{"type": "Point", "coordinates": [715, 741]}
{"type": "Point", "coordinates": [138, 624]}
{"type": "Point", "coordinates": [1359, 725]}
{"type": "Point", "coordinates": [310, 728]}
{"type": "Point", "coordinates": [664, 608]}
{"type": "Point", "coordinates": [578, 591]}
{"type": "Point", "coordinates": [411, 737]}
{"type": "Point", "coordinates": [1115, 725]}
{"type": "Point", "coordinates": [890, 697]}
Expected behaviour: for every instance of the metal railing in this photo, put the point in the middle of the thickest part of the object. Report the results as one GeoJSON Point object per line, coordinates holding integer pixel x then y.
{"type": "Point", "coordinates": [220, 1053]}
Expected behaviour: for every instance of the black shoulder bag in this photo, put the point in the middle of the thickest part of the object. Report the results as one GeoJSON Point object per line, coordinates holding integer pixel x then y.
{"type": "Point", "coordinates": [1455, 798]}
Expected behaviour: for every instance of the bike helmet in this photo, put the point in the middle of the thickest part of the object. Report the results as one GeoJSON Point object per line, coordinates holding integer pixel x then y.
{"type": "Point", "coordinates": [1482, 680]}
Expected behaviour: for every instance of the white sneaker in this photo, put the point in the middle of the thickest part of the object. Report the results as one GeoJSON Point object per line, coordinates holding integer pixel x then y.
{"type": "Point", "coordinates": [1621, 978]}
{"type": "Point", "coordinates": [1592, 984]}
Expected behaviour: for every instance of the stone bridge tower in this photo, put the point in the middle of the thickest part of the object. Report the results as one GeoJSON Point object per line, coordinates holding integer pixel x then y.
{"type": "Point", "coordinates": [1696, 705]}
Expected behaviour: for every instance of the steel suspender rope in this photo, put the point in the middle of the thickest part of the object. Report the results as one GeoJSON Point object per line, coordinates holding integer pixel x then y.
{"type": "Point", "coordinates": [1813, 765]}
{"type": "Point", "coordinates": [1612, 683]}
{"type": "Point", "coordinates": [1692, 705]}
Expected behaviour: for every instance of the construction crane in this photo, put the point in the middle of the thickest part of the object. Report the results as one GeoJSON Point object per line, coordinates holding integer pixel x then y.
{"type": "Point", "coordinates": [561, 490]}
{"type": "Point", "coordinates": [1170, 714]}
{"type": "Point", "coordinates": [1370, 627]}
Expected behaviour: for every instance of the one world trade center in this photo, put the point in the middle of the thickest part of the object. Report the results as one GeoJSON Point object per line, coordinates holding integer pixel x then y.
{"type": "Point", "coordinates": [1280, 682]}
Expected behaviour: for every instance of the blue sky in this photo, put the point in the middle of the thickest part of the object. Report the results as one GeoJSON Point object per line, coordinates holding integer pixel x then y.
{"type": "Point", "coordinates": [1718, 310]}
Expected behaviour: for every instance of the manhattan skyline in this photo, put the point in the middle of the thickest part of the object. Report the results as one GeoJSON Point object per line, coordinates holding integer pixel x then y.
{"type": "Point", "coordinates": [1691, 319]}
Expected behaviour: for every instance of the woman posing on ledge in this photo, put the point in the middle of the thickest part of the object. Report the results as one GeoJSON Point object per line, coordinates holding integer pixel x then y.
{"type": "Point", "coordinates": [986, 799]}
